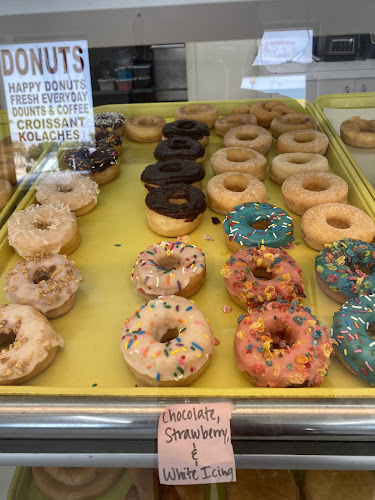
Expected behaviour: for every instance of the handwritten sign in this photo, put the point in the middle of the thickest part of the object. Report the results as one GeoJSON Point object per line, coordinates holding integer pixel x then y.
{"type": "Point", "coordinates": [194, 444]}
{"type": "Point", "coordinates": [47, 88]}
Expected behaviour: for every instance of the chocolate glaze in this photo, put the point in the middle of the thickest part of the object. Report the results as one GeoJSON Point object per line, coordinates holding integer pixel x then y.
{"type": "Point", "coordinates": [90, 159]}
{"type": "Point", "coordinates": [172, 172]}
{"type": "Point", "coordinates": [109, 119]}
{"type": "Point", "coordinates": [108, 137]}
{"type": "Point", "coordinates": [183, 148]}
{"type": "Point", "coordinates": [186, 128]}
{"type": "Point", "coordinates": [158, 201]}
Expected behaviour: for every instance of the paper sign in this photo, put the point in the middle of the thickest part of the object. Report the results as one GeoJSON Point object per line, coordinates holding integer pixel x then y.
{"type": "Point", "coordinates": [194, 444]}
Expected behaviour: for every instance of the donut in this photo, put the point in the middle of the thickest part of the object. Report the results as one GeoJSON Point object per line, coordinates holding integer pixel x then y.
{"type": "Point", "coordinates": [243, 109]}
{"type": "Point", "coordinates": [293, 121]}
{"type": "Point", "coordinates": [329, 222]}
{"type": "Point", "coordinates": [287, 164]}
{"type": "Point", "coordinates": [228, 190]}
{"type": "Point", "coordinates": [238, 159]}
{"type": "Point", "coordinates": [358, 132]}
{"type": "Point", "coordinates": [200, 112]}
{"type": "Point", "coordinates": [182, 148]}
{"type": "Point", "coordinates": [6, 192]}
{"type": "Point", "coordinates": [345, 269]}
{"type": "Point", "coordinates": [101, 163]}
{"type": "Point", "coordinates": [266, 484]}
{"type": "Point", "coordinates": [144, 128]}
{"type": "Point", "coordinates": [257, 223]}
{"type": "Point", "coordinates": [75, 483]}
{"type": "Point", "coordinates": [338, 485]}
{"type": "Point", "coordinates": [249, 136]}
{"type": "Point", "coordinates": [167, 218]}
{"type": "Point", "coordinates": [187, 128]}
{"type": "Point", "coordinates": [224, 124]}
{"type": "Point", "coordinates": [33, 343]}
{"type": "Point", "coordinates": [108, 137]}
{"type": "Point", "coordinates": [46, 282]}
{"type": "Point", "coordinates": [43, 229]}
{"type": "Point", "coordinates": [169, 268]}
{"type": "Point", "coordinates": [145, 484]}
{"type": "Point", "coordinates": [282, 345]}
{"type": "Point", "coordinates": [166, 172]}
{"type": "Point", "coordinates": [265, 111]}
{"type": "Point", "coordinates": [156, 359]}
{"type": "Point", "coordinates": [110, 119]}
{"type": "Point", "coordinates": [262, 274]}
{"type": "Point", "coordinates": [77, 191]}
{"type": "Point", "coordinates": [307, 189]}
{"type": "Point", "coordinates": [305, 141]}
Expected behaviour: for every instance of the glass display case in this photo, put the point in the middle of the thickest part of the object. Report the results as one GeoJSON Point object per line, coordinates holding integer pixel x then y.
{"type": "Point", "coordinates": [300, 387]}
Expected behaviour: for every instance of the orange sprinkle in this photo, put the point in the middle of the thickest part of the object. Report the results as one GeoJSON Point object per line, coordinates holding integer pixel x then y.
{"type": "Point", "coordinates": [145, 353]}
{"type": "Point", "coordinates": [356, 336]}
{"type": "Point", "coordinates": [180, 320]}
{"type": "Point", "coordinates": [168, 279]}
{"type": "Point", "coordinates": [158, 353]}
{"type": "Point", "coordinates": [356, 324]}
{"type": "Point", "coordinates": [148, 333]}
{"type": "Point", "coordinates": [148, 366]}
{"type": "Point", "coordinates": [152, 341]}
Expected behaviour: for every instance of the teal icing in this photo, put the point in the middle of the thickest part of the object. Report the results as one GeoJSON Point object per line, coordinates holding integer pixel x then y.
{"type": "Point", "coordinates": [350, 329]}
{"type": "Point", "coordinates": [239, 220]}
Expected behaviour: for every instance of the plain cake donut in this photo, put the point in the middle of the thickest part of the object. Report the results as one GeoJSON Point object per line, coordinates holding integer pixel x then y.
{"type": "Point", "coordinates": [249, 136]}
{"type": "Point", "coordinates": [358, 132]}
{"type": "Point", "coordinates": [287, 164]}
{"type": "Point", "coordinates": [306, 141]}
{"type": "Point", "coordinates": [238, 159]}
{"type": "Point", "coordinates": [201, 112]}
{"type": "Point", "coordinates": [144, 128]}
{"type": "Point", "coordinates": [294, 121]}
{"type": "Point", "coordinates": [222, 125]}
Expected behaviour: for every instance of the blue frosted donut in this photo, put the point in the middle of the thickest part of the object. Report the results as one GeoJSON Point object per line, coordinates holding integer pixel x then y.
{"type": "Point", "coordinates": [277, 231]}
{"type": "Point", "coordinates": [351, 330]}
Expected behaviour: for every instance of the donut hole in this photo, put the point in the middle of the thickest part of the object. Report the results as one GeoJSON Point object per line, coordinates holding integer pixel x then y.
{"type": "Point", "coordinates": [234, 119]}
{"type": "Point", "coordinates": [177, 201]}
{"type": "Point", "coordinates": [41, 225]}
{"type": "Point", "coordinates": [262, 274]}
{"type": "Point", "coordinates": [261, 224]}
{"type": "Point", "coordinates": [300, 161]}
{"type": "Point", "coordinates": [282, 336]}
{"type": "Point", "coordinates": [303, 138]}
{"type": "Point", "coordinates": [316, 185]}
{"type": "Point", "coordinates": [239, 156]}
{"type": "Point", "coordinates": [170, 334]}
{"type": "Point", "coordinates": [338, 223]}
{"type": "Point", "coordinates": [248, 135]}
{"type": "Point", "coordinates": [169, 262]}
{"type": "Point", "coordinates": [173, 167]}
{"type": "Point", "coordinates": [144, 122]}
{"type": "Point", "coordinates": [362, 267]}
{"type": "Point", "coordinates": [64, 189]}
{"type": "Point", "coordinates": [43, 274]}
{"type": "Point", "coordinates": [235, 183]}
{"type": "Point", "coordinates": [7, 337]}
{"type": "Point", "coordinates": [371, 330]}
{"type": "Point", "coordinates": [185, 125]}
{"type": "Point", "coordinates": [193, 110]}
{"type": "Point", "coordinates": [179, 145]}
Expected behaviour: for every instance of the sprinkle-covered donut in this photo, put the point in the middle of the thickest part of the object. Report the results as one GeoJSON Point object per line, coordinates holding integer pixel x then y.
{"type": "Point", "coordinates": [282, 345]}
{"type": "Point", "coordinates": [257, 224]}
{"type": "Point", "coordinates": [100, 163]}
{"type": "Point", "coordinates": [187, 128]}
{"type": "Point", "coordinates": [183, 148]}
{"type": "Point", "coordinates": [351, 329]}
{"type": "Point", "coordinates": [169, 268]}
{"type": "Point", "coordinates": [109, 137]}
{"type": "Point", "coordinates": [345, 269]}
{"type": "Point", "coordinates": [166, 172]}
{"type": "Point", "coordinates": [260, 274]}
{"type": "Point", "coordinates": [177, 361]}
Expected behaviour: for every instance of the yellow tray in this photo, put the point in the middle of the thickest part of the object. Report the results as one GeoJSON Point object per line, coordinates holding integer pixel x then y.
{"type": "Point", "coordinates": [334, 109]}
{"type": "Point", "coordinates": [91, 362]}
{"type": "Point", "coordinates": [23, 487]}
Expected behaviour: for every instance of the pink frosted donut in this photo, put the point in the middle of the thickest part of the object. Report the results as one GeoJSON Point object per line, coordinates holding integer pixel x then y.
{"type": "Point", "coordinates": [282, 345]}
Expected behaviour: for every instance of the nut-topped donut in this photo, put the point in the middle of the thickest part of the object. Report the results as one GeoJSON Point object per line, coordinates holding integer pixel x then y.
{"type": "Point", "coordinates": [101, 163]}
{"type": "Point", "coordinates": [201, 112]}
{"type": "Point", "coordinates": [183, 148]}
{"type": "Point", "coordinates": [176, 362]}
{"type": "Point", "coordinates": [172, 172]}
{"type": "Point", "coordinates": [358, 132]}
{"type": "Point", "coordinates": [144, 128]}
{"type": "Point", "coordinates": [110, 119]}
{"type": "Point", "coordinates": [187, 128]}
{"type": "Point", "coordinates": [33, 343]}
{"type": "Point", "coordinates": [249, 136]}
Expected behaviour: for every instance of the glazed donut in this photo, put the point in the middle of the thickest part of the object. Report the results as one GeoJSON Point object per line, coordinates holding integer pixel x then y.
{"type": "Point", "coordinates": [345, 269]}
{"type": "Point", "coordinates": [228, 190]}
{"type": "Point", "coordinates": [108, 137]}
{"type": "Point", "coordinates": [249, 136]}
{"type": "Point", "coordinates": [200, 112]}
{"type": "Point", "coordinates": [6, 192]}
{"type": "Point", "coordinates": [166, 172]}
{"type": "Point", "coordinates": [305, 141]}
{"type": "Point", "coordinates": [182, 148]}
{"type": "Point", "coordinates": [262, 274]}
{"type": "Point", "coordinates": [293, 121]}
{"type": "Point", "coordinates": [43, 229]}
{"type": "Point", "coordinates": [176, 362]}
{"type": "Point", "coordinates": [169, 268]}
{"type": "Point", "coordinates": [100, 163]}
{"type": "Point", "coordinates": [338, 485]}
{"type": "Point", "coordinates": [265, 111]}
{"type": "Point", "coordinates": [282, 345]}
{"type": "Point", "coordinates": [256, 484]}
{"type": "Point", "coordinates": [48, 283]}
{"type": "Point", "coordinates": [224, 124]}
{"type": "Point", "coordinates": [173, 219]}
{"type": "Point", "coordinates": [77, 191]}
{"type": "Point", "coordinates": [110, 119]}
{"type": "Point", "coordinates": [144, 128]}
{"type": "Point", "coordinates": [358, 132]}
{"type": "Point", "coordinates": [287, 164]}
{"type": "Point", "coordinates": [257, 224]}
{"type": "Point", "coordinates": [307, 189]}
{"type": "Point", "coordinates": [242, 160]}
{"type": "Point", "coordinates": [329, 222]}
{"type": "Point", "coordinates": [187, 128]}
{"type": "Point", "coordinates": [33, 343]}
{"type": "Point", "coordinates": [74, 483]}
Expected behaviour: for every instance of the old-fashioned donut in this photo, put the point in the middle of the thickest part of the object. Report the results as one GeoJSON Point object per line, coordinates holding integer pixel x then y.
{"type": "Point", "coordinates": [249, 136]}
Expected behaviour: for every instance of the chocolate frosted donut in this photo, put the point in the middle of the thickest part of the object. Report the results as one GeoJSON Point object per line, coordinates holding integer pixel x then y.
{"type": "Point", "coordinates": [108, 137]}
{"type": "Point", "coordinates": [90, 159]}
{"type": "Point", "coordinates": [110, 119]}
{"type": "Point", "coordinates": [183, 148]}
{"type": "Point", "coordinates": [158, 200]}
{"type": "Point", "coordinates": [187, 128]}
{"type": "Point", "coordinates": [172, 172]}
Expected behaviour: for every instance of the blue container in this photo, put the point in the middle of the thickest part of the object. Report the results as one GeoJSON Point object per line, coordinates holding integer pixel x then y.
{"type": "Point", "coordinates": [124, 73]}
